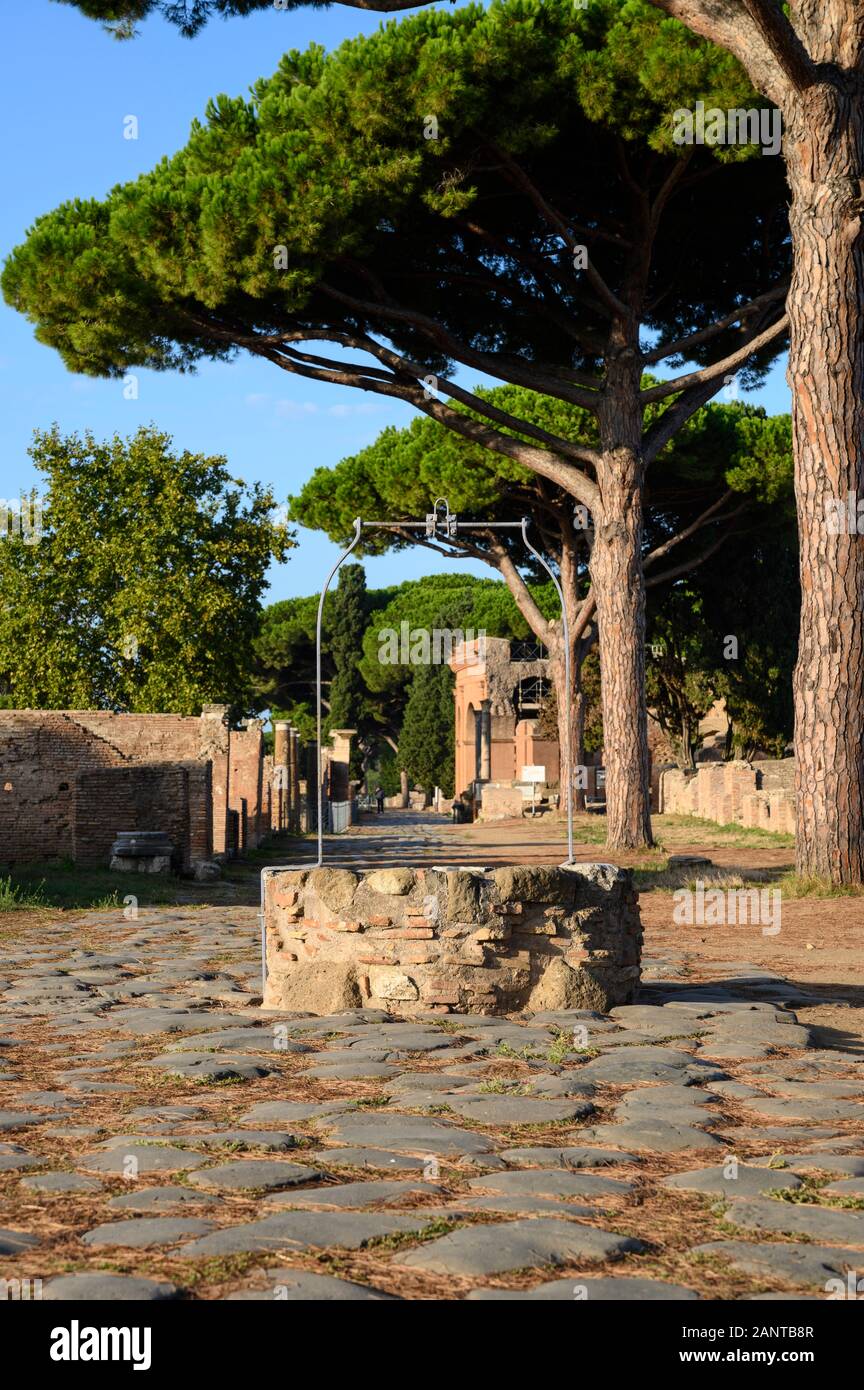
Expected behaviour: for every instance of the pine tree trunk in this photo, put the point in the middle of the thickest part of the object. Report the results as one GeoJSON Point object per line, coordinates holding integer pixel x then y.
{"type": "Point", "coordinates": [570, 710]}
{"type": "Point", "coordinates": [619, 589]}
{"type": "Point", "coordinates": [823, 146]}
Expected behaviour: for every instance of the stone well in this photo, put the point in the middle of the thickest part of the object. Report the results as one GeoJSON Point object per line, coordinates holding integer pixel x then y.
{"type": "Point", "coordinates": [440, 940]}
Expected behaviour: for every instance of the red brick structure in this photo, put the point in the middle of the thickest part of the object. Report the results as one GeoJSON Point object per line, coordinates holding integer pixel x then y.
{"type": "Point", "coordinates": [71, 779]}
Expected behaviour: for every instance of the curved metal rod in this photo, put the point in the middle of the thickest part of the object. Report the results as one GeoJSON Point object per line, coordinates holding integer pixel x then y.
{"type": "Point", "coordinates": [526, 521]}
{"type": "Point", "coordinates": [358, 530]}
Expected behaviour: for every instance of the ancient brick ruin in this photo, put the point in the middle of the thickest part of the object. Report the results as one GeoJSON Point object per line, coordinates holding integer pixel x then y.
{"type": "Point", "coordinates": [758, 795]}
{"type": "Point", "coordinates": [71, 779]}
{"type": "Point", "coordinates": [451, 939]}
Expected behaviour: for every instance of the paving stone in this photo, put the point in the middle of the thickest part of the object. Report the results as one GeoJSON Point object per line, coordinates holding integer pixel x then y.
{"type": "Point", "coordinates": [550, 1182]}
{"type": "Point", "coordinates": [797, 1219]}
{"type": "Point", "coordinates": [270, 1140]}
{"type": "Point", "coordinates": [152, 1021]}
{"type": "Point", "coordinates": [353, 1195]}
{"type": "Point", "coordinates": [210, 1066]}
{"type": "Point", "coordinates": [517, 1205]}
{"type": "Point", "coordinates": [141, 1232]}
{"type": "Point", "coordinates": [653, 1135]}
{"type": "Point", "coordinates": [72, 1131]}
{"type": "Point", "coordinates": [572, 1156]}
{"type": "Point", "coordinates": [17, 1119]}
{"type": "Point", "coordinates": [158, 1198]}
{"type": "Point", "coordinates": [746, 1182]}
{"type": "Point", "coordinates": [501, 1246]}
{"type": "Point", "coordinates": [736, 1090]}
{"type": "Point", "coordinates": [353, 1156]}
{"type": "Point", "coordinates": [56, 1100]}
{"type": "Point", "coordinates": [239, 1040]}
{"type": "Point", "coordinates": [851, 1164]}
{"type": "Point", "coordinates": [609, 1290]}
{"type": "Point", "coordinates": [812, 1089]}
{"type": "Point", "coordinates": [782, 1135]}
{"type": "Point", "coordinates": [106, 1288]}
{"type": "Point", "coordinates": [302, 1230]}
{"type": "Point", "coordinates": [518, 1110]}
{"type": "Point", "coordinates": [166, 1112]}
{"type": "Point", "coordinates": [61, 1182]}
{"type": "Point", "coordinates": [290, 1284]}
{"type": "Point", "coordinates": [149, 1158]}
{"type": "Point", "coordinates": [18, 1162]}
{"type": "Point", "coordinates": [289, 1112]}
{"type": "Point", "coordinates": [633, 1065]}
{"type": "Point", "coordinates": [804, 1109]}
{"type": "Point", "coordinates": [351, 1071]}
{"type": "Point", "coordinates": [406, 1133]}
{"type": "Point", "coordinates": [847, 1187]}
{"type": "Point", "coordinates": [797, 1264]}
{"type": "Point", "coordinates": [16, 1242]}
{"type": "Point", "coordinates": [248, 1173]}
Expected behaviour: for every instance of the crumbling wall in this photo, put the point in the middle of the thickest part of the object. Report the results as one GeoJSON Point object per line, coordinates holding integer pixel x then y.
{"type": "Point", "coordinates": [43, 752]}
{"type": "Point", "coordinates": [135, 796]}
{"type": "Point", "coordinates": [757, 795]}
{"type": "Point", "coordinates": [415, 940]}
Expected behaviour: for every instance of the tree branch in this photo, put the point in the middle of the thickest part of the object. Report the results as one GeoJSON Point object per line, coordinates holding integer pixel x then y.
{"type": "Point", "coordinates": [757, 34]}
{"type": "Point", "coordinates": [717, 369]}
{"type": "Point", "coordinates": [681, 345]}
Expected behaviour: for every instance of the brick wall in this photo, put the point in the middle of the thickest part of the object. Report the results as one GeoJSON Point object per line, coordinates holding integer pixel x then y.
{"type": "Point", "coordinates": [757, 795]}
{"type": "Point", "coordinates": [43, 752]}
{"type": "Point", "coordinates": [135, 796]}
{"type": "Point", "coordinates": [246, 784]}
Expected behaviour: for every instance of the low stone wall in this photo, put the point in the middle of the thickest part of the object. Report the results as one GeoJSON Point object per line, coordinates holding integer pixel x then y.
{"type": "Point", "coordinates": [442, 940]}
{"type": "Point", "coordinates": [757, 795]}
{"type": "Point", "coordinates": [501, 802]}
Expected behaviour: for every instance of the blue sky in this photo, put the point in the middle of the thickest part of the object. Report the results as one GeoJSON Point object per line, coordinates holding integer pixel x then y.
{"type": "Point", "coordinates": [65, 88]}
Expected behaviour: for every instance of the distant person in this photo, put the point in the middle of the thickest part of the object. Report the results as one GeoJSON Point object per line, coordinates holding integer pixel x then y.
{"type": "Point", "coordinates": [379, 797]}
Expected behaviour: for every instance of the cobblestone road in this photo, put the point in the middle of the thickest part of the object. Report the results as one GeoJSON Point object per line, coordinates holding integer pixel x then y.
{"type": "Point", "coordinates": [163, 1138]}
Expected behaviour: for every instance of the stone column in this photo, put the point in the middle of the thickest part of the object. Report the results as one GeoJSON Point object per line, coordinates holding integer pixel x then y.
{"type": "Point", "coordinates": [214, 747]}
{"type": "Point", "coordinates": [295, 781]}
{"type": "Point", "coordinates": [340, 760]}
{"type": "Point", "coordinates": [280, 771]}
{"type": "Point", "coordinates": [485, 741]}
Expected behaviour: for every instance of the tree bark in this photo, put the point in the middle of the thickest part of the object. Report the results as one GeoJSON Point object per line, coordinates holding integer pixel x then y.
{"type": "Point", "coordinates": [570, 701]}
{"type": "Point", "coordinates": [572, 712]}
{"type": "Point", "coordinates": [824, 144]}
{"type": "Point", "coordinates": [618, 585]}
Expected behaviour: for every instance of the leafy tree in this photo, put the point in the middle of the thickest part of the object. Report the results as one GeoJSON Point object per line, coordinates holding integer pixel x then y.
{"type": "Point", "coordinates": [143, 593]}
{"type": "Point", "coordinates": [723, 452]}
{"type": "Point", "coordinates": [806, 59]}
{"type": "Point", "coordinates": [325, 210]}
{"type": "Point", "coordinates": [728, 629]}
{"type": "Point", "coordinates": [427, 740]}
{"type": "Point", "coordinates": [285, 653]}
{"type": "Point", "coordinates": [120, 17]}
{"type": "Point", "coordinates": [348, 705]}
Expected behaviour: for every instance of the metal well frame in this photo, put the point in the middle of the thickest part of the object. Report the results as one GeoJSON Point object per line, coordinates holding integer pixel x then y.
{"type": "Point", "coordinates": [443, 524]}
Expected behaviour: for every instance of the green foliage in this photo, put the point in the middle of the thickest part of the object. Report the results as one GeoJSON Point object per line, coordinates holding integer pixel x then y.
{"type": "Point", "coordinates": [427, 740]}
{"type": "Point", "coordinates": [121, 16]}
{"type": "Point", "coordinates": [348, 705]}
{"type": "Point", "coordinates": [143, 593]}
{"type": "Point", "coordinates": [327, 159]}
